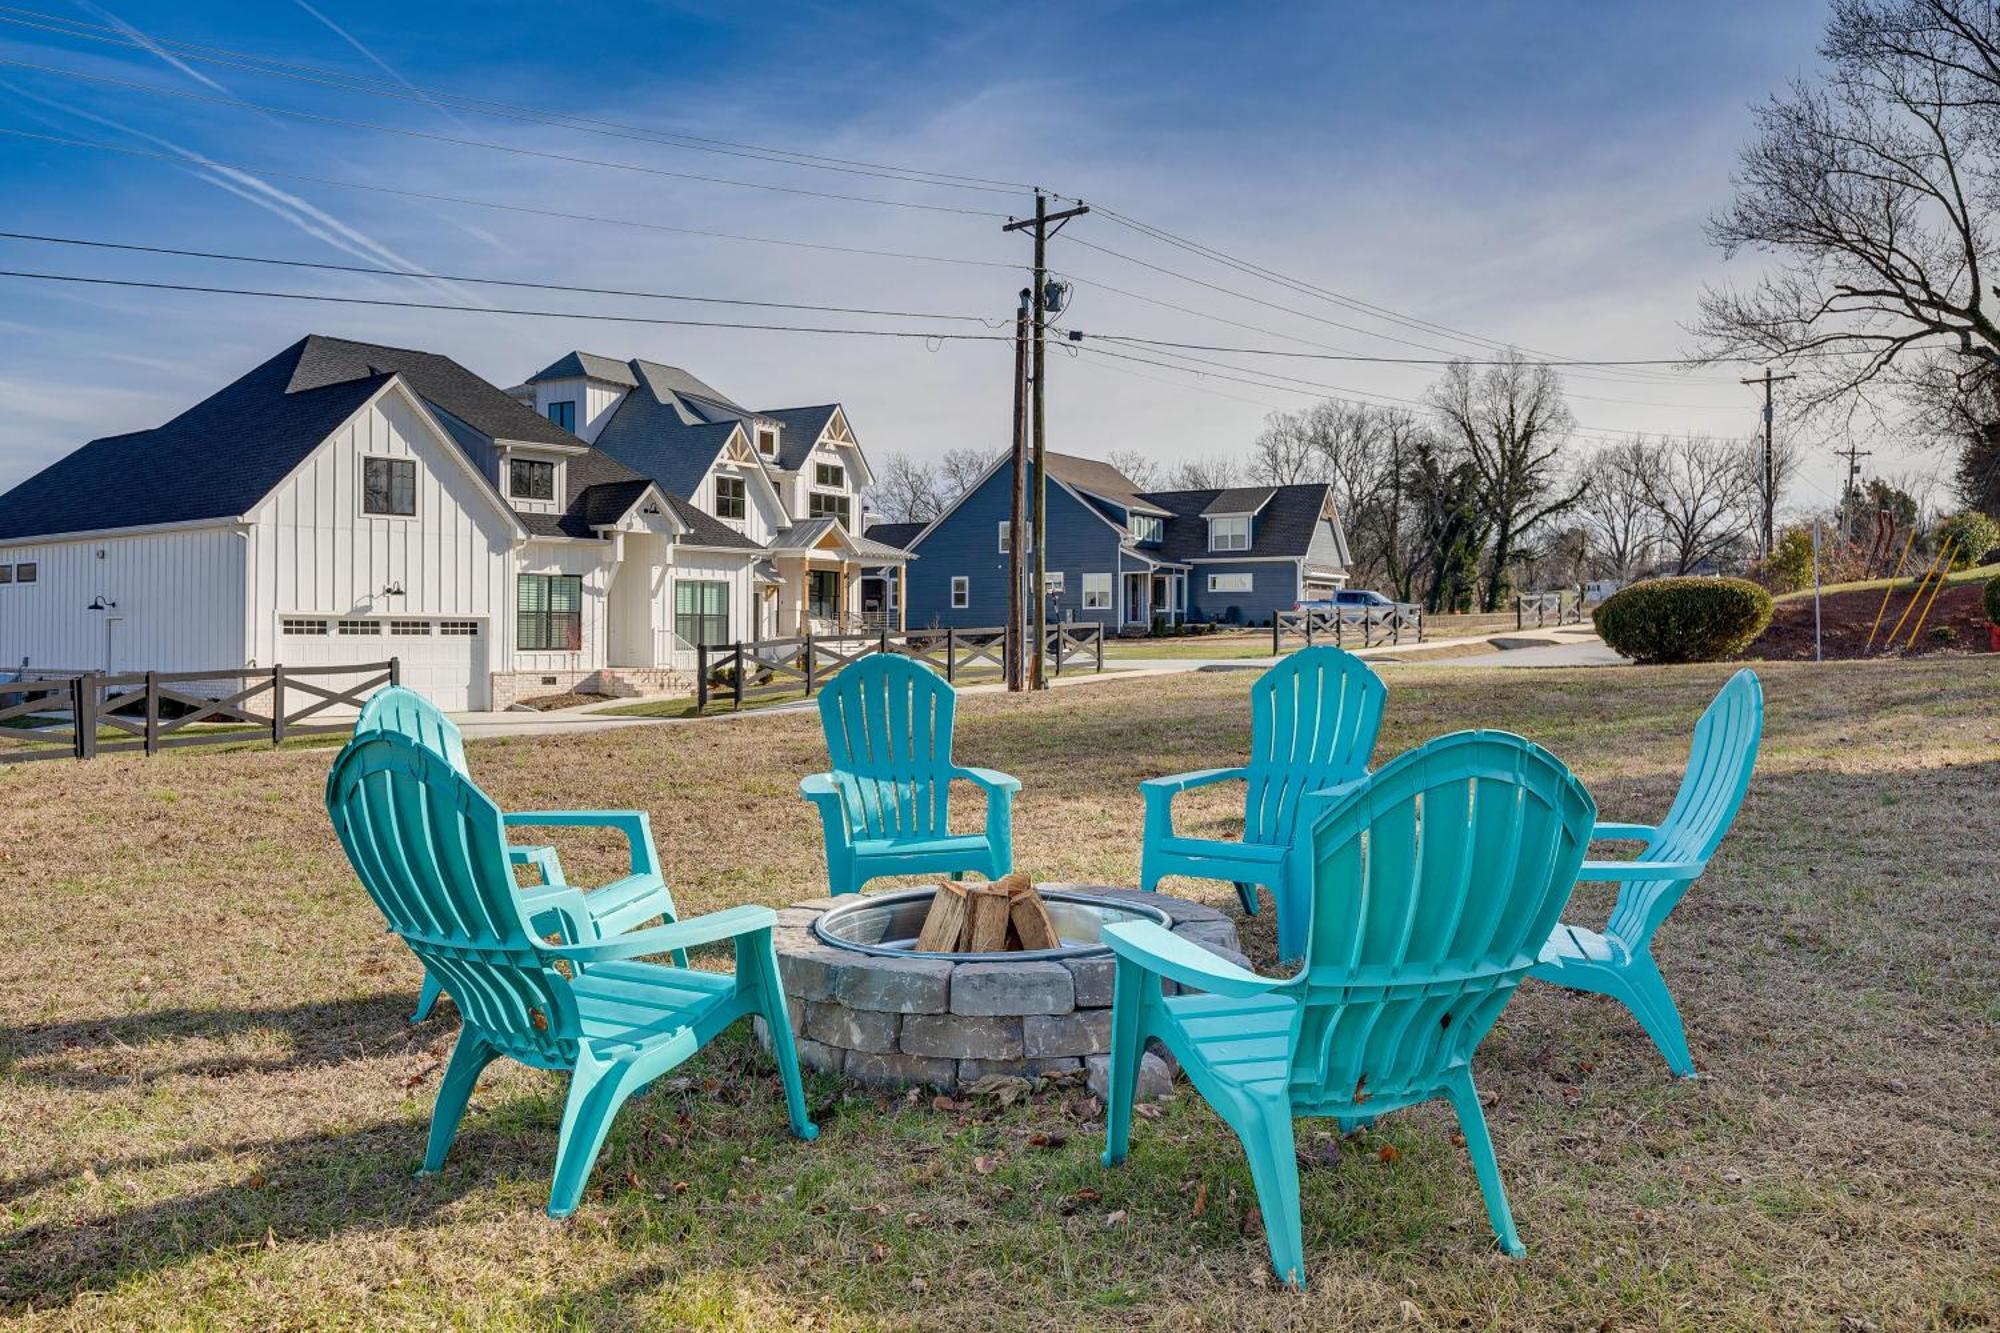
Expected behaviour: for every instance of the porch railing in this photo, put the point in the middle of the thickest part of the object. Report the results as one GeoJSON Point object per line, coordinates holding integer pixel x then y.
{"type": "Point", "coordinates": [1371, 624]}
{"type": "Point", "coordinates": [763, 668]}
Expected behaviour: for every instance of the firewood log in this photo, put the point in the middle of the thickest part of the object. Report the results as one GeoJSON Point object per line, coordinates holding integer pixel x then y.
{"type": "Point", "coordinates": [946, 922]}
{"type": "Point", "coordinates": [1030, 917]}
{"type": "Point", "coordinates": [991, 911]}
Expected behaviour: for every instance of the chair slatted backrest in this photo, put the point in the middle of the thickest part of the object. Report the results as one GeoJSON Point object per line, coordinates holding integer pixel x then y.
{"type": "Point", "coordinates": [1434, 888]}
{"type": "Point", "coordinates": [1313, 722]}
{"type": "Point", "coordinates": [1720, 761]}
{"type": "Point", "coordinates": [430, 849]}
{"type": "Point", "coordinates": [401, 709]}
{"type": "Point", "coordinates": [888, 723]}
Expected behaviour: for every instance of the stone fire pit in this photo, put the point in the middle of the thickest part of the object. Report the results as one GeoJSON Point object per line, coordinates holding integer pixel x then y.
{"type": "Point", "coordinates": [871, 1011]}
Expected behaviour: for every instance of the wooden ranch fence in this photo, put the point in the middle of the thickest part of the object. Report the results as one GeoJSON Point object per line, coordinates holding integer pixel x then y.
{"type": "Point", "coordinates": [275, 702]}
{"type": "Point", "coordinates": [1547, 608]}
{"type": "Point", "coordinates": [761, 668]}
{"type": "Point", "coordinates": [1374, 624]}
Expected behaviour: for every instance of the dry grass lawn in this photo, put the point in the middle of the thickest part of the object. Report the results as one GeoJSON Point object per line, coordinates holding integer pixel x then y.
{"type": "Point", "coordinates": [211, 1102]}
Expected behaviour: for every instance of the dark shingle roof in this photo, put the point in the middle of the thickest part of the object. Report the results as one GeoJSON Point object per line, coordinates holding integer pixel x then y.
{"type": "Point", "coordinates": [800, 430]}
{"type": "Point", "coordinates": [222, 456]}
{"type": "Point", "coordinates": [1240, 500]}
{"type": "Point", "coordinates": [894, 534]}
{"type": "Point", "coordinates": [1101, 480]}
{"type": "Point", "coordinates": [660, 432]}
{"type": "Point", "coordinates": [1284, 527]}
{"type": "Point", "coordinates": [589, 365]}
{"type": "Point", "coordinates": [708, 530]}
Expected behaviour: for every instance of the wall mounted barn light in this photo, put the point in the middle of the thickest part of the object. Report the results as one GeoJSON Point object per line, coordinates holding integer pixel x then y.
{"type": "Point", "coordinates": [395, 589]}
{"type": "Point", "coordinates": [99, 603]}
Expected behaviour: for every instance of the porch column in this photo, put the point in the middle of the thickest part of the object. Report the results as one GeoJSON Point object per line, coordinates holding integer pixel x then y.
{"type": "Point", "coordinates": [902, 597]}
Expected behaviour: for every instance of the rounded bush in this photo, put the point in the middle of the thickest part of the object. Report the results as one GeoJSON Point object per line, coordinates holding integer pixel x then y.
{"type": "Point", "coordinates": [1684, 619]}
{"type": "Point", "coordinates": [1971, 534]}
{"type": "Point", "coordinates": [1992, 597]}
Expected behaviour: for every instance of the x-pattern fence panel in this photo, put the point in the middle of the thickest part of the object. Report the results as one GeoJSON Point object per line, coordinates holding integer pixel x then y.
{"type": "Point", "coordinates": [763, 668]}
{"type": "Point", "coordinates": [84, 714]}
{"type": "Point", "coordinates": [1339, 625]}
{"type": "Point", "coordinates": [1547, 608]}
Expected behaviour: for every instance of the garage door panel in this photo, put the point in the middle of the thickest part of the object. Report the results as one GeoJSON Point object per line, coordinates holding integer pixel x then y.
{"type": "Point", "coordinates": [444, 660]}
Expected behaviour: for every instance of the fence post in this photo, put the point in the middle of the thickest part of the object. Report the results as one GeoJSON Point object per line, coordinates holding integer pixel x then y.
{"type": "Point", "coordinates": [1275, 649]}
{"type": "Point", "coordinates": [152, 713]}
{"type": "Point", "coordinates": [84, 711]}
{"type": "Point", "coordinates": [809, 662]}
{"type": "Point", "coordinates": [882, 644]}
{"type": "Point", "coordinates": [278, 701]}
{"type": "Point", "coordinates": [737, 684]}
{"type": "Point", "coordinates": [700, 677]}
{"type": "Point", "coordinates": [395, 671]}
{"type": "Point", "coordinates": [950, 656]}
{"type": "Point", "coordinates": [1100, 649]}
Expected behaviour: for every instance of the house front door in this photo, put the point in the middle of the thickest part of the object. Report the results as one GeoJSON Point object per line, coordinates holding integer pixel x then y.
{"type": "Point", "coordinates": [1138, 605]}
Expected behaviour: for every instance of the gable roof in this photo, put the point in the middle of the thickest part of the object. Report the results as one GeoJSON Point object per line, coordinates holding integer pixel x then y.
{"type": "Point", "coordinates": [438, 380]}
{"type": "Point", "coordinates": [1101, 480]}
{"type": "Point", "coordinates": [660, 430]}
{"type": "Point", "coordinates": [893, 534]}
{"type": "Point", "coordinates": [1285, 523]}
{"type": "Point", "coordinates": [704, 529]}
{"type": "Point", "coordinates": [586, 365]}
{"type": "Point", "coordinates": [1239, 500]}
{"type": "Point", "coordinates": [799, 429]}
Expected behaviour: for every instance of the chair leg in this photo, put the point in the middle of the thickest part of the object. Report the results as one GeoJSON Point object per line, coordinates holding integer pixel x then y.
{"type": "Point", "coordinates": [1128, 1051]}
{"type": "Point", "coordinates": [1350, 1125]}
{"type": "Point", "coordinates": [1248, 893]}
{"type": "Point", "coordinates": [1294, 920]}
{"type": "Point", "coordinates": [427, 998]}
{"type": "Point", "coordinates": [468, 1058]}
{"type": "Point", "coordinates": [757, 966]}
{"type": "Point", "coordinates": [1653, 1005]}
{"type": "Point", "coordinates": [596, 1091]}
{"type": "Point", "coordinates": [1464, 1099]}
{"type": "Point", "coordinates": [1265, 1126]}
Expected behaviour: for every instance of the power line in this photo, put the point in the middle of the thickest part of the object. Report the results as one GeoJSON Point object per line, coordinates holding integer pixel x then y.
{"type": "Point", "coordinates": [240, 104]}
{"type": "Point", "coordinates": [428, 197]}
{"type": "Point", "coordinates": [483, 281]}
{"type": "Point", "coordinates": [928, 335]}
{"type": "Point", "coordinates": [349, 82]}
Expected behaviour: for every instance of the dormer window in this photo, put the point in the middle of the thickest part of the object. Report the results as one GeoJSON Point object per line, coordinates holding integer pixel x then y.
{"type": "Point", "coordinates": [767, 441]}
{"type": "Point", "coordinates": [530, 479]}
{"type": "Point", "coordinates": [1229, 532]}
{"type": "Point", "coordinates": [1147, 529]}
{"type": "Point", "coordinates": [830, 474]}
{"type": "Point", "coordinates": [564, 414]}
{"type": "Point", "coordinates": [730, 501]}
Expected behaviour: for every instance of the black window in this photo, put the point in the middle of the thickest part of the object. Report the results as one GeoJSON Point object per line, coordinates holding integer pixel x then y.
{"type": "Point", "coordinates": [6, 573]}
{"type": "Point", "coordinates": [729, 500]}
{"type": "Point", "coordinates": [564, 414]}
{"type": "Point", "coordinates": [530, 479]}
{"type": "Point", "coordinates": [550, 610]}
{"type": "Point", "coordinates": [823, 594]}
{"type": "Point", "coordinates": [388, 486]}
{"type": "Point", "coordinates": [25, 572]}
{"type": "Point", "coordinates": [829, 474]}
{"type": "Point", "coordinates": [701, 611]}
{"type": "Point", "coordinates": [828, 506]}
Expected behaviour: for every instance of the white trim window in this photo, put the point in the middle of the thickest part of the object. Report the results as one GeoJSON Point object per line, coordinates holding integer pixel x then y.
{"type": "Point", "coordinates": [531, 479]}
{"type": "Point", "coordinates": [1006, 531]}
{"type": "Point", "coordinates": [1148, 529]}
{"type": "Point", "coordinates": [1052, 582]}
{"type": "Point", "coordinates": [1231, 582]}
{"type": "Point", "coordinates": [1097, 592]}
{"type": "Point", "coordinates": [1229, 532]}
{"type": "Point", "coordinates": [961, 592]}
{"type": "Point", "coordinates": [767, 441]}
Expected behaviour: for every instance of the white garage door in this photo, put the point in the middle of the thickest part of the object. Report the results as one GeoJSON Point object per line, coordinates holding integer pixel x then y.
{"type": "Point", "coordinates": [445, 660]}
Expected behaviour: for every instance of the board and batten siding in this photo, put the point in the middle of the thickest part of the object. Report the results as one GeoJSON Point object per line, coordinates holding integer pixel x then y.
{"type": "Point", "coordinates": [967, 543]}
{"type": "Point", "coordinates": [695, 565]}
{"type": "Point", "coordinates": [587, 561]}
{"type": "Point", "coordinates": [313, 552]}
{"type": "Point", "coordinates": [177, 602]}
{"type": "Point", "coordinates": [595, 402]}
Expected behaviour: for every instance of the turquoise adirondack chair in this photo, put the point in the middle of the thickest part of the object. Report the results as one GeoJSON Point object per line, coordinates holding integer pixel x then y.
{"type": "Point", "coordinates": [616, 907]}
{"type": "Point", "coordinates": [431, 849]}
{"type": "Point", "coordinates": [1619, 960]}
{"type": "Point", "coordinates": [1313, 721]}
{"type": "Point", "coordinates": [886, 805]}
{"type": "Point", "coordinates": [1434, 883]}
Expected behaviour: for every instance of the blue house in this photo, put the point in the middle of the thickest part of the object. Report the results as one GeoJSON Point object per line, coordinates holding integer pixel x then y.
{"type": "Point", "coordinates": [1126, 558]}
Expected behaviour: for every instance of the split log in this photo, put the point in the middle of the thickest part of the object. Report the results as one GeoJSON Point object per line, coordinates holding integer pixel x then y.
{"type": "Point", "coordinates": [1029, 916]}
{"type": "Point", "coordinates": [986, 931]}
{"type": "Point", "coordinates": [945, 926]}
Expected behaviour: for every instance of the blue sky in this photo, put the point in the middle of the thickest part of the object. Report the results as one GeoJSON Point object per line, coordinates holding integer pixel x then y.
{"type": "Point", "coordinates": [1536, 173]}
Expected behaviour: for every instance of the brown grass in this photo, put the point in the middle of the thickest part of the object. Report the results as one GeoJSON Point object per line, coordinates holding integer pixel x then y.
{"type": "Point", "coordinates": [211, 1102]}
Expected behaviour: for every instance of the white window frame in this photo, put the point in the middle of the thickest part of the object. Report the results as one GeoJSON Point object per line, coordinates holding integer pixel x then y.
{"type": "Point", "coordinates": [555, 479]}
{"type": "Point", "coordinates": [767, 441]}
{"type": "Point", "coordinates": [1229, 532]}
{"type": "Point", "coordinates": [1249, 581]}
{"type": "Point", "coordinates": [1097, 592]}
{"type": "Point", "coordinates": [1052, 581]}
{"type": "Point", "coordinates": [1006, 531]}
{"type": "Point", "coordinates": [961, 592]}
{"type": "Point", "coordinates": [1148, 529]}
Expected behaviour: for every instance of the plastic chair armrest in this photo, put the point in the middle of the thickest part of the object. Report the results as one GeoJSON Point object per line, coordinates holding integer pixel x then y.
{"type": "Point", "coordinates": [1609, 872]}
{"type": "Point", "coordinates": [634, 824]}
{"type": "Point", "coordinates": [1622, 832]}
{"type": "Point", "coordinates": [1175, 783]}
{"type": "Point", "coordinates": [542, 858]}
{"type": "Point", "coordinates": [724, 925]}
{"type": "Point", "coordinates": [1165, 954]}
{"type": "Point", "coordinates": [989, 778]}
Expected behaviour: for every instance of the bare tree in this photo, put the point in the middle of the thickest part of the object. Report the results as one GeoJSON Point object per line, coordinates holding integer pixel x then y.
{"type": "Point", "coordinates": [1875, 187]}
{"type": "Point", "coordinates": [1616, 514]}
{"type": "Point", "coordinates": [959, 470]}
{"type": "Point", "coordinates": [1289, 449]}
{"type": "Point", "coordinates": [908, 490]}
{"type": "Point", "coordinates": [1217, 472]}
{"type": "Point", "coordinates": [1139, 467]}
{"type": "Point", "coordinates": [1511, 421]}
{"type": "Point", "coordinates": [1696, 487]}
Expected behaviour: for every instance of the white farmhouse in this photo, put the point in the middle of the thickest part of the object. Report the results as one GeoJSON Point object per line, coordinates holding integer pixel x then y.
{"type": "Point", "coordinates": [347, 502]}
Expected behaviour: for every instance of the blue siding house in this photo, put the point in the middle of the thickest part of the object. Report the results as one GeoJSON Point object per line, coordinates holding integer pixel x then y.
{"type": "Point", "coordinates": [1124, 558]}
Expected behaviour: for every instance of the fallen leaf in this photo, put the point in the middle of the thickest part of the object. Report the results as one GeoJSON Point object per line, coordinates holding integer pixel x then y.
{"type": "Point", "coordinates": [879, 1254]}
{"type": "Point", "coordinates": [1253, 1221]}
{"type": "Point", "coordinates": [256, 1181]}
{"type": "Point", "coordinates": [1147, 1111]}
{"type": "Point", "coordinates": [1115, 1218]}
{"type": "Point", "coordinates": [1200, 1200]}
{"type": "Point", "coordinates": [1389, 1153]}
{"type": "Point", "coordinates": [918, 1284]}
{"type": "Point", "coordinates": [89, 1176]}
{"type": "Point", "coordinates": [539, 1019]}
{"type": "Point", "coordinates": [1050, 1141]}
{"type": "Point", "coordinates": [270, 1239]}
{"type": "Point", "coordinates": [680, 1187]}
{"type": "Point", "coordinates": [1361, 1094]}
{"type": "Point", "coordinates": [985, 1166]}
{"type": "Point", "coordinates": [1086, 1195]}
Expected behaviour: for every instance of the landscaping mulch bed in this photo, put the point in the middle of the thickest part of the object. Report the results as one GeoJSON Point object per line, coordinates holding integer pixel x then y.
{"type": "Point", "coordinates": [1956, 624]}
{"type": "Point", "coordinates": [548, 703]}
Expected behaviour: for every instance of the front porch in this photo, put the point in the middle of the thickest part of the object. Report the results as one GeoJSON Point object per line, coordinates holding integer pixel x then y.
{"type": "Point", "coordinates": [828, 581]}
{"type": "Point", "coordinates": [1157, 591]}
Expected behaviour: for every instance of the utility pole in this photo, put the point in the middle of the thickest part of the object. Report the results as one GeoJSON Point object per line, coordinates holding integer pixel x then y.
{"type": "Point", "coordinates": [1016, 639]}
{"type": "Point", "coordinates": [1039, 586]}
{"type": "Point", "coordinates": [1767, 379]}
{"type": "Point", "coordinates": [1853, 453]}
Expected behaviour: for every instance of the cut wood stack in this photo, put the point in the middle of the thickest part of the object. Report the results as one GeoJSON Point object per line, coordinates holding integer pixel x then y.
{"type": "Point", "coordinates": [1004, 916]}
